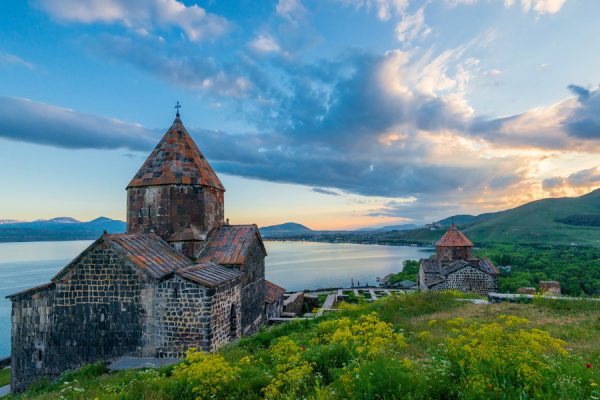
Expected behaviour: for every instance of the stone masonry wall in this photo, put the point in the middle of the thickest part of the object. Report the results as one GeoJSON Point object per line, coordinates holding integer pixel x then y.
{"type": "Point", "coordinates": [31, 323]}
{"type": "Point", "coordinates": [183, 317]}
{"type": "Point", "coordinates": [469, 279]}
{"type": "Point", "coordinates": [166, 209]}
{"type": "Point", "coordinates": [253, 289]}
{"type": "Point", "coordinates": [93, 313]}
{"type": "Point", "coordinates": [226, 314]}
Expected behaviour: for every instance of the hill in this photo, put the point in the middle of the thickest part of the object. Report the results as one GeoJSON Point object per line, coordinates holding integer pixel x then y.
{"type": "Point", "coordinates": [61, 228]}
{"type": "Point", "coordinates": [288, 228]}
{"type": "Point", "coordinates": [566, 221]}
{"type": "Point", "coordinates": [417, 346]}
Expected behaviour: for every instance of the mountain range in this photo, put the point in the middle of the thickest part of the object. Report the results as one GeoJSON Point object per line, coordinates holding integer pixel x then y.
{"type": "Point", "coordinates": [61, 228]}
{"type": "Point", "coordinates": [567, 220]}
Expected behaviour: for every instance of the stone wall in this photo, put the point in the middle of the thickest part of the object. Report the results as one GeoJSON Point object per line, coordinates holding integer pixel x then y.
{"type": "Point", "coordinates": [166, 209]}
{"type": "Point", "coordinates": [92, 313]}
{"type": "Point", "coordinates": [191, 315]}
{"type": "Point", "coordinates": [274, 309]}
{"type": "Point", "coordinates": [253, 289]}
{"type": "Point", "coordinates": [447, 253]}
{"type": "Point", "coordinates": [293, 304]}
{"type": "Point", "coordinates": [31, 323]}
{"type": "Point", "coordinates": [469, 279]}
{"type": "Point", "coordinates": [226, 314]}
{"type": "Point", "coordinates": [183, 317]}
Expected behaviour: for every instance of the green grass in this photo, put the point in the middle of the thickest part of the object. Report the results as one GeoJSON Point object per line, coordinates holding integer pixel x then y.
{"type": "Point", "coordinates": [419, 369]}
{"type": "Point", "coordinates": [4, 376]}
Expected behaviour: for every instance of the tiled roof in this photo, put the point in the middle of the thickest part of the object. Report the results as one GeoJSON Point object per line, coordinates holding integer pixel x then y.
{"type": "Point", "coordinates": [431, 265]}
{"type": "Point", "coordinates": [209, 274]}
{"type": "Point", "coordinates": [149, 252]}
{"type": "Point", "coordinates": [188, 233]}
{"type": "Point", "coordinates": [176, 160]}
{"type": "Point", "coordinates": [272, 292]}
{"type": "Point", "coordinates": [436, 271]}
{"type": "Point", "coordinates": [31, 290]}
{"type": "Point", "coordinates": [230, 244]}
{"type": "Point", "coordinates": [454, 238]}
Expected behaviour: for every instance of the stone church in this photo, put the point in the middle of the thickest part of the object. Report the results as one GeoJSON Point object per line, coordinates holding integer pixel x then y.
{"type": "Point", "coordinates": [180, 277]}
{"type": "Point", "coordinates": [455, 268]}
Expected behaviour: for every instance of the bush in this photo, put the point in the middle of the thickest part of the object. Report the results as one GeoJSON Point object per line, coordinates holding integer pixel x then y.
{"type": "Point", "coordinates": [501, 359]}
{"type": "Point", "coordinates": [205, 375]}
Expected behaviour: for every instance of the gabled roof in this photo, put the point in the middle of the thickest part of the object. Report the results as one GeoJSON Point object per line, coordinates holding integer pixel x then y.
{"type": "Point", "coordinates": [148, 252]}
{"type": "Point", "coordinates": [188, 233]}
{"type": "Point", "coordinates": [32, 290]}
{"type": "Point", "coordinates": [454, 238]}
{"type": "Point", "coordinates": [209, 274]}
{"type": "Point", "coordinates": [176, 160]}
{"type": "Point", "coordinates": [272, 292]}
{"type": "Point", "coordinates": [230, 244]}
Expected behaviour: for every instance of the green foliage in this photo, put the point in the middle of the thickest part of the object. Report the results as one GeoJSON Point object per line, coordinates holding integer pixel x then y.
{"type": "Point", "coordinates": [576, 268]}
{"type": "Point", "coordinates": [409, 272]}
{"type": "Point", "coordinates": [418, 346]}
{"type": "Point", "coordinates": [4, 376]}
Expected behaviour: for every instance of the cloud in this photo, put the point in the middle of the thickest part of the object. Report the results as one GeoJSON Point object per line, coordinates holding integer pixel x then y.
{"type": "Point", "coordinates": [576, 183]}
{"type": "Point", "coordinates": [141, 15]}
{"type": "Point", "coordinates": [192, 71]}
{"type": "Point", "coordinates": [291, 10]}
{"type": "Point", "coordinates": [571, 124]}
{"type": "Point", "coordinates": [542, 6]}
{"type": "Point", "coordinates": [385, 9]}
{"type": "Point", "coordinates": [11, 59]}
{"type": "Point", "coordinates": [412, 27]}
{"type": "Point", "coordinates": [27, 121]}
{"type": "Point", "coordinates": [264, 43]}
{"type": "Point", "coordinates": [580, 92]}
{"type": "Point", "coordinates": [539, 6]}
{"type": "Point", "coordinates": [326, 191]}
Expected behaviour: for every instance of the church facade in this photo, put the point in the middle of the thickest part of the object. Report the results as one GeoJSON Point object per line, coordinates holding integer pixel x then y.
{"type": "Point", "coordinates": [455, 268]}
{"type": "Point", "coordinates": [180, 277]}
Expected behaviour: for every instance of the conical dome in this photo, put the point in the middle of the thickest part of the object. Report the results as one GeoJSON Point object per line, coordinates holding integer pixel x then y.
{"type": "Point", "coordinates": [454, 238]}
{"type": "Point", "coordinates": [176, 160]}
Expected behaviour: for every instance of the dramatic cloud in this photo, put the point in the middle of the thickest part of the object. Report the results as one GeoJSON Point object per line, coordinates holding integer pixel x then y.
{"type": "Point", "coordinates": [144, 15]}
{"type": "Point", "coordinates": [28, 121]}
{"type": "Point", "coordinates": [191, 71]}
{"type": "Point", "coordinates": [577, 183]}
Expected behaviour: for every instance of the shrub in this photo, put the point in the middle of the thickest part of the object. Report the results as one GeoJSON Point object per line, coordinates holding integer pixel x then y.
{"type": "Point", "coordinates": [206, 375]}
{"type": "Point", "coordinates": [293, 376]}
{"type": "Point", "coordinates": [382, 378]}
{"type": "Point", "coordinates": [503, 358]}
{"type": "Point", "coordinates": [365, 338]}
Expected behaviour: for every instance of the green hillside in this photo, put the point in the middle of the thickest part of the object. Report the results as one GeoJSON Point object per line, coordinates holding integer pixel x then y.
{"type": "Point", "coordinates": [566, 221]}
{"type": "Point", "coordinates": [560, 221]}
{"type": "Point", "coordinates": [424, 346]}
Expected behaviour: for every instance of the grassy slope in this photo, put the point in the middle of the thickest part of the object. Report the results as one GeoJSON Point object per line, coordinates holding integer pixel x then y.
{"type": "Point", "coordinates": [577, 323]}
{"type": "Point", "coordinates": [534, 222]}
{"type": "Point", "coordinates": [4, 376]}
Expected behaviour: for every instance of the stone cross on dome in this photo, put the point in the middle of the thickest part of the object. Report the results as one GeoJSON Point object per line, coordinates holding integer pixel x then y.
{"type": "Point", "coordinates": [177, 106]}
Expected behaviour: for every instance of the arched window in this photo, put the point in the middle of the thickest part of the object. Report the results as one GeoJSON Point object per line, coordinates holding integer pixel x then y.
{"type": "Point", "coordinates": [233, 322]}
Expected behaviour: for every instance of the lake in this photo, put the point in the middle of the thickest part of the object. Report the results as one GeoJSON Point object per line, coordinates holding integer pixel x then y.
{"type": "Point", "coordinates": [293, 265]}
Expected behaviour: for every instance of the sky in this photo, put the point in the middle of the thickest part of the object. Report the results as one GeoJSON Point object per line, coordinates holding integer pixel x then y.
{"type": "Point", "coordinates": [337, 114]}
